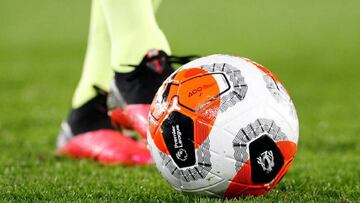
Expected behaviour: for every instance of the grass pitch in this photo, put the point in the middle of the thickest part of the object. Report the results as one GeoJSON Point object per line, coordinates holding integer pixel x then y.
{"type": "Point", "coordinates": [313, 46]}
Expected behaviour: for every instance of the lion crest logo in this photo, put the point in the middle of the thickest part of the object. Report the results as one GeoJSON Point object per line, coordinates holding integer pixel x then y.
{"type": "Point", "coordinates": [266, 161]}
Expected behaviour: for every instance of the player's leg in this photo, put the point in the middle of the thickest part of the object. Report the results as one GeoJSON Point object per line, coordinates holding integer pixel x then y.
{"type": "Point", "coordinates": [97, 68]}
{"type": "Point", "coordinates": [133, 31]}
{"type": "Point", "coordinates": [97, 71]}
{"type": "Point", "coordinates": [89, 111]}
{"type": "Point", "coordinates": [125, 22]}
{"type": "Point", "coordinates": [87, 132]}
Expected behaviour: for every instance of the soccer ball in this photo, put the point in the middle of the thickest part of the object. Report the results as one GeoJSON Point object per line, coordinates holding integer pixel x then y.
{"type": "Point", "coordinates": [223, 126]}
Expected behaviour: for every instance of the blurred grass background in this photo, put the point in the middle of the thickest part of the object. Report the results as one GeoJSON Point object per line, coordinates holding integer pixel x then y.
{"type": "Point", "coordinates": [313, 46]}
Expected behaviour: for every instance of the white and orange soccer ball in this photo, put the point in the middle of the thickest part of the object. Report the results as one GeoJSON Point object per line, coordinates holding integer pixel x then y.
{"type": "Point", "coordinates": [223, 126]}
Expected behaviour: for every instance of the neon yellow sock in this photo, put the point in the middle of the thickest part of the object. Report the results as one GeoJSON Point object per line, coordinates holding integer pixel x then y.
{"type": "Point", "coordinates": [97, 69]}
{"type": "Point", "coordinates": [104, 54]}
{"type": "Point", "coordinates": [133, 31]}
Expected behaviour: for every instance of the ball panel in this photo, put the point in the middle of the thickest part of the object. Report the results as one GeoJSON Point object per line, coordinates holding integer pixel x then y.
{"type": "Point", "coordinates": [265, 159]}
{"type": "Point", "coordinates": [178, 133]}
{"type": "Point", "coordinates": [184, 75]}
{"type": "Point", "coordinates": [288, 149]}
{"type": "Point", "coordinates": [197, 92]}
{"type": "Point", "coordinates": [205, 120]}
{"type": "Point", "coordinates": [161, 164]}
{"type": "Point", "coordinates": [160, 102]}
{"type": "Point", "coordinates": [240, 182]}
{"type": "Point", "coordinates": [280, 115]}
{"type": "Point", "coordinates": [156, 136]}
{"type": "Point", "coordinates": [194, 177]}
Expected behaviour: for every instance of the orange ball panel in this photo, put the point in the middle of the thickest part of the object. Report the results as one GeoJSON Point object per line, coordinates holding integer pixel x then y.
{"type": "Point", "coordinates": [241, 185]}
{"type": "Point", "coordinates": [195, 89]}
